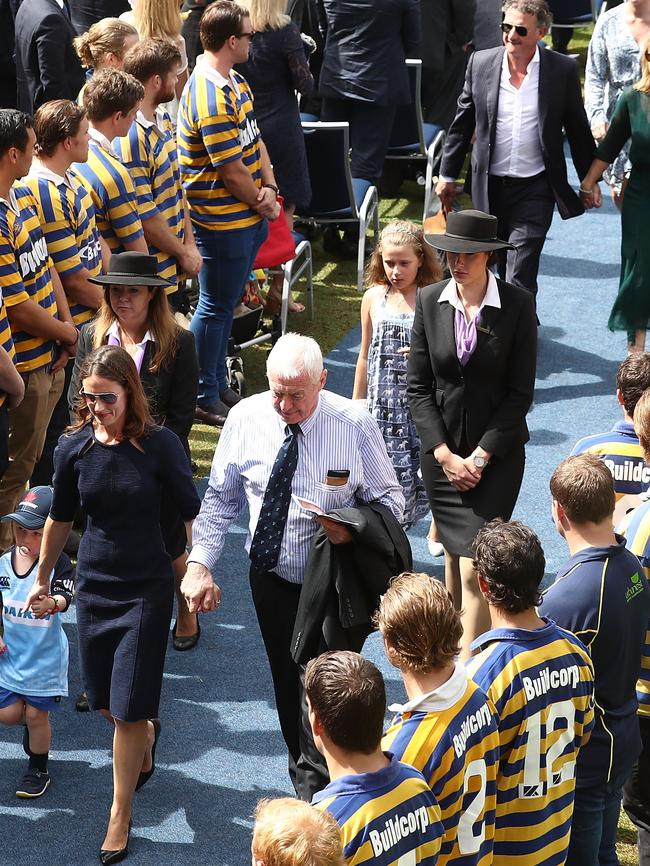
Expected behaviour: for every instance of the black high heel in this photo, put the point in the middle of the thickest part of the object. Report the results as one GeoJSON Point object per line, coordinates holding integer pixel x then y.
{"type": "Point", "coordinates": [143, 778]}
{"type": "Point", "coordinates": [107, 858]}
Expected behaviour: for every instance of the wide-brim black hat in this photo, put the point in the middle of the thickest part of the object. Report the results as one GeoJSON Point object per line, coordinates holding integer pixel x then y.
{"type": "Point", "coordinates": [469, 231]}
{"type": "Point", "coordinates": [131, 269]}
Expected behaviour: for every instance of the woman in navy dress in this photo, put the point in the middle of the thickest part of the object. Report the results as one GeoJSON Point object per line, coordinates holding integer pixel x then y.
{"type": "Point", "coordinates": [116, 463]}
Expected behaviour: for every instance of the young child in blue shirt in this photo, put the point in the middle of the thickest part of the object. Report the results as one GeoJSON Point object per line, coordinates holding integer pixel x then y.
{"type": "Point", "coordinates": [33, 648]}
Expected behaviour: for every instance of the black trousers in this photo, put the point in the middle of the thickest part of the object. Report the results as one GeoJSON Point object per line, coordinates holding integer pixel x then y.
{"type": "Point", "coordinates": [4, 439]}
{"type": "Point", "coordinates": [524, 208]}
{"type": "Point", "coordinates": [370, 129]}
{"type": "Point", "coordinates": [276, 605]}
{"type": "Point", "coordinates": [636, 794]}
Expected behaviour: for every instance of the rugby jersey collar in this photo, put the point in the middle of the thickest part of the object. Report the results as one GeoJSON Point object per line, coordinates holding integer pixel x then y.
{"type": "Point", "coordinates": [442, 698]}
{"type": "Point", "coordinates": [100, 139]}
{"type": "Point", "coordinates": [41, 171]}
{"type": "Point", "coordinates": [204, 68]}
{"type": "Point", "coordinates": [625, 428]}
{"type": "Point", "coordinates": [158, 122]}
{"type": "Point", "coordinates": [13, 201]}
{"type": "Point", "coordinates": [361, 782]}
{"type": "Point", "coordinates": [514, 634]}
{"type": "Point", "coordinates": [591, 554]}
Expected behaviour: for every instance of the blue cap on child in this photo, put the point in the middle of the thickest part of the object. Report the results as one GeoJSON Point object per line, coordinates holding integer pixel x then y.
{"type": "Point", "coordinates": [33, 509]}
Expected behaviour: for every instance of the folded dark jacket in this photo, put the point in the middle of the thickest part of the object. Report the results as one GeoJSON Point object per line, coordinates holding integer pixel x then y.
{"type": "Point", "coordinates": [343, 582]}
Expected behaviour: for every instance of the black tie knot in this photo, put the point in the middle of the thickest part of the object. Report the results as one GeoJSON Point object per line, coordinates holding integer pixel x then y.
{"type": "Point", "coordinates": [292, 429]}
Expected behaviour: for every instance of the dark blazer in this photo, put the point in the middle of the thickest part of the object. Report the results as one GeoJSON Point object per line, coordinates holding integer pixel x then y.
{"type": "Point", "coordinates": [171, 391]}
{"type": "Point", "coordinates": [446, 27]}
{"type": "Point", "coordinates": [343, 582]}
{"type": "Point", "coordinates": [486, 401]}
{"type": "Point", "coordinates": [560, 109]}
{"type": "Point", "coordinates": [47, 66]}
{"type": "Point", "coordinates": [366, 45]}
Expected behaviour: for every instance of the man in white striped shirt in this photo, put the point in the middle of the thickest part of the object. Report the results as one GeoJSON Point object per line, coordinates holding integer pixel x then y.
{"type": "Point", "coordinates": [341, 462]}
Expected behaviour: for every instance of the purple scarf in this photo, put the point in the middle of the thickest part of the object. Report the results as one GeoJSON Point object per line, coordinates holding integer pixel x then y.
{"type": "Point", "coordinates": [465, 333]}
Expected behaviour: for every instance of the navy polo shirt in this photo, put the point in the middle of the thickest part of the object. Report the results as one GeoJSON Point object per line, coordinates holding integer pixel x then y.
{"type": "Point", "coordinates": [603, 597]}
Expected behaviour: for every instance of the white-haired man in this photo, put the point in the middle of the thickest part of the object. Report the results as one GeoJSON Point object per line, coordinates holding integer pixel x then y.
{"type": "Point", "coordinates": [295, 438]}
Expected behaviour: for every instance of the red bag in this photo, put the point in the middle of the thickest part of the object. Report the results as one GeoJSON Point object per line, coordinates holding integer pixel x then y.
{"type": "Point", "coordinates": [279, 247]}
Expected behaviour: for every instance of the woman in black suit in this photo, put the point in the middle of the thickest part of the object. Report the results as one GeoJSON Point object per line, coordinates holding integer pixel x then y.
{"type": "Point", "coordinates": [135, 315]}
{"type": "Point", "coordinates": [471, 378]}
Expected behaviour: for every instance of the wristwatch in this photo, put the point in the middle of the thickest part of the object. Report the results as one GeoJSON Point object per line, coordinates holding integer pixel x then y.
{"type": "Point", "coordinates": [479, 462]}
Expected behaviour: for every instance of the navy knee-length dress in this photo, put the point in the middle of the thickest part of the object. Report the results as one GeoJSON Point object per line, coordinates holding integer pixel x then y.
{"type": "Point", "coordinates": [125, 585]}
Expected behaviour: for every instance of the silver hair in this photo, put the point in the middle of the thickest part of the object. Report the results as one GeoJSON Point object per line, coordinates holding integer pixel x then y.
{"type": "Point", "coordinates": [294, 356]}
{"type": "Point", "coordinates": [539, 8]}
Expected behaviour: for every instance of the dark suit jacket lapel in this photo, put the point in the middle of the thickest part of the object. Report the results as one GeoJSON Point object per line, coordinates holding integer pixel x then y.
{"type": "Point", "coordinates": [492, 84]}
{"type": "Point", "coordinates": [447, 313]}
{"type": "Point", "coordinates": [544, 91]}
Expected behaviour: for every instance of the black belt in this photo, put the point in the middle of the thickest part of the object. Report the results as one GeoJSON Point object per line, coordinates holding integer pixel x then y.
{"type": "Point", "coordinates": [512, 181]}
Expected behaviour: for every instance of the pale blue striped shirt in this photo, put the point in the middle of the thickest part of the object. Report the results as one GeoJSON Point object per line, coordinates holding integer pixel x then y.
{"type": "Point", "coordinates": [340, 434]}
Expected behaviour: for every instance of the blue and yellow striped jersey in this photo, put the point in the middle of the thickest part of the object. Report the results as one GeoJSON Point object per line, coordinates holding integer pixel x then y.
{"type": "Point", "coordinates": [149, 153]}
{"type": "Point", "coordinates": [112, 192]}
{"type": "Point", "coordinates": [385, 816]}
{"type": "Point", "coordinates": [68, 222]}
{"type": "Point", "coordinates": [620, 450]}
{"type": "Point", "coordinates": [451, 736]}
{"type": "Point", "coordinates": [6, 340]}
{"type": "Point", "coordinates": [541, 683]}
{"type": "Point", "coordinates": [25, 272]}
{"type": "Point", "coordinates": [637, 539]}
{"type": "Point", "coordinates": [216, 125]}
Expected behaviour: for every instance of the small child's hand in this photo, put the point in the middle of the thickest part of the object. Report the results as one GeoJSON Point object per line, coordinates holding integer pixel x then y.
{"type": "Point", "coordinates": [3, 647]}
{"type": "Point", "coordinates": [42, 605]}
{"type": "Point", "coordinates": [404, 350]}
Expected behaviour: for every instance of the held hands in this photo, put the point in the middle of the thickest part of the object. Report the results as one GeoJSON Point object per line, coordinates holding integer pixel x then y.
{"type": "Point", "coordinates": [461, 473]}
{"type": "Point", "coordinates": [266, 204]}
{"type": "Point", "coordinates": [201, 592]}
{"type": "Point", "coordinates": [37, 593]}
{"type": "Point", "coordinates": [590, 195]}
{"type": "Point", "coordinates": [599, 131]}
{"type": "Point", "coordinates": [42, 605]}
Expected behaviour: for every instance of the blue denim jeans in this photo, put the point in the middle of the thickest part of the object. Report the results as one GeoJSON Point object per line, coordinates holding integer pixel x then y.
{"type": "Point", "coordinates": [228, 257]}
{"type": "Point", "coordinates": [594, 825]}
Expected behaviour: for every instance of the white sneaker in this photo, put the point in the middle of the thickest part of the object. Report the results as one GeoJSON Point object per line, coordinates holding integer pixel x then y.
{"type": "Point", "coordinates": [435, 548]}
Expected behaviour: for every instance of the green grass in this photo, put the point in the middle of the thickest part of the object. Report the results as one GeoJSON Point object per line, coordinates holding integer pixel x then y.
{"type": "Point", "coordinates": [337, 306]}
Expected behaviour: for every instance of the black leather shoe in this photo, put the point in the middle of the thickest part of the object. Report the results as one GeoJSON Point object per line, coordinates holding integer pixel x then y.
{"type": "Point", "coordinates": [144, 777]}
{"type": "Point", "coordinates": [182, 643]}
{"type": "Point", "coordinates": [81, 704]}
{"type": "Point", "coordinates": [108, 857]}
{"type": "Point", "coordinates": [215, 415]}
{"type": "Point", "coordinates": [229, 397]}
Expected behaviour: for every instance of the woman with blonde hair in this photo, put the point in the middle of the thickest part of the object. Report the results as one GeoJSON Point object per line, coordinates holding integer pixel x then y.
{"type": "Point", "coordinates": [105, 44]}
{"type": "Point", "coordinates": [135, 314]}
{"type": "Point", "coordinates": [276, 68]}
{"type": "Point", "coordinates": [161, 19]}
{"type": "Point", "coordinates": [631, 121]}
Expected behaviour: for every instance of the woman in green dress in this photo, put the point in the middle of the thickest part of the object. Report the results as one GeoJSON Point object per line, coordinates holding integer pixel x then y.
{"type": "Point", "coordinates": [631, 120]}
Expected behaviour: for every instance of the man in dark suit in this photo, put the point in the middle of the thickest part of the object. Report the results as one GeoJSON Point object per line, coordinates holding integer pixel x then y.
{"type": "Point", "coordinates": [364, 77]}
{"type": "Point", "coordinates": [520, 99]}
{"type": "Point", "coordinates": [47, 66]}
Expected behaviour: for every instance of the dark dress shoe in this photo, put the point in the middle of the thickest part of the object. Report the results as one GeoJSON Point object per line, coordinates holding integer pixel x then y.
{"type": "Point", "coordinates": [108, 857]}
{"type": "Point", "coordinates": [144, 777]}
{"type": "Point", "coordinates": [182, 643]}
{"type": "Point", "coordinates": [229, 397]}
{"type": "Point", "coordinates": [215, 414]}
{"type": "Point", "coordinates": [81, 704]}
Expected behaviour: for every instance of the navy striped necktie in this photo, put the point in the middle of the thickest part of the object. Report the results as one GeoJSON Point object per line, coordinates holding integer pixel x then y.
{"type": "Point", "coordinates": [266, 543]}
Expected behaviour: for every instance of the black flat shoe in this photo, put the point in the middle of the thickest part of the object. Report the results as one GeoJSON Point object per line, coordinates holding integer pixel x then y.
{"type": "Point", "coordinates": [108, 857]}
{"type": "Point", "coordinates": [81, 704]}
{"type": "Point", "coordinates": [144, 777]}
{"type": "Point", "coordinates": [186, 642]}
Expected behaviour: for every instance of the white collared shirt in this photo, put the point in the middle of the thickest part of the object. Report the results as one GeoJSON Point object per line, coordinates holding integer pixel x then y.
{"type": "Point", "coordinates": [492, 297]}
{"type": "Point", "coordinates": [100, 139]}
{"type": "Point", "coordinates": [517, 148]}
{"type": "Point", "coordinates": [440, 699]}
{"type": "Point", "coordinates": [41, 171]}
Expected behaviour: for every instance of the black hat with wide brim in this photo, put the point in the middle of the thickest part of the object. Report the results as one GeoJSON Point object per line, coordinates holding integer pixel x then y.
{"type": "Point", "coordinates": [469, 231]}
{"type": "Point", "coordinates": [131, 269]}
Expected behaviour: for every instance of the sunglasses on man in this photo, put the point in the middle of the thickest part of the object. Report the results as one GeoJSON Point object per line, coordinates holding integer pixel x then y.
{"type": "Point", "coordinates": [519, 29]}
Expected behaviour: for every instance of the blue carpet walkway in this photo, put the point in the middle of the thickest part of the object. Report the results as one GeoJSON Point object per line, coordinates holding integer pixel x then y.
{"type": "Point", "coordinates": [220, 748]}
